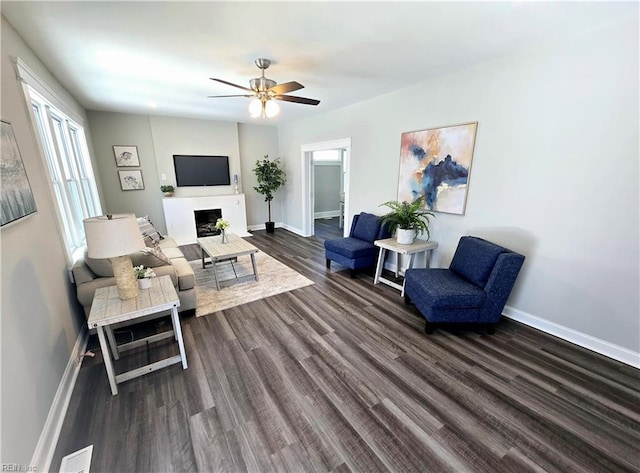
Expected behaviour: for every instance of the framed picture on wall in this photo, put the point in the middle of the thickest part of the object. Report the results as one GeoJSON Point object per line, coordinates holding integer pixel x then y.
{"type": "Point", "coordinates": [131, 180]}
{"type": "Point", "coordinates": [16, 198]}
{"type": "Point", "coordinates": [126, 156]}
{"type": "Point", "coordinates": [436, 163]}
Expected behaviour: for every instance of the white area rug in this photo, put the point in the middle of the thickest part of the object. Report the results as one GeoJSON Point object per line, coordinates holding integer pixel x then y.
{"type": "Point", "coordinates": [273, 278]}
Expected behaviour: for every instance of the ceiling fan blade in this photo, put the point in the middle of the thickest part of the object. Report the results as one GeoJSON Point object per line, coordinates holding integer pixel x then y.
{"type": "Point", "coordinates": [232, 84]}
{"type": "Point", "coordinates": [286, 87]}
{"type": "Point", "coordinates": [293, 98]}
{"type": "Point", "coordinates": [225, 96]}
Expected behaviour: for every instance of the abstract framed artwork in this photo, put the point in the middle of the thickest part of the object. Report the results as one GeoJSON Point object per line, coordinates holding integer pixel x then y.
{"type": "Point", "coordinates": [126, 156]}
{"type": "Point", "coordinates": [131, 180]}
{"type": "Point", "coordinates": [436, 163]}
{"type": "Point", "coordinates": [16, 197]}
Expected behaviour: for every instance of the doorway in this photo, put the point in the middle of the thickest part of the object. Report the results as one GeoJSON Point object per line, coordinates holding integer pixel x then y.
{"type": "Point", "coordinates": [323, 158]}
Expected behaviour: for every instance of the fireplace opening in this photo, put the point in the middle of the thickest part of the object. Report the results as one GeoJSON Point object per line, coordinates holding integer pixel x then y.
{"type": "Point", "coordinates": [206, 222]}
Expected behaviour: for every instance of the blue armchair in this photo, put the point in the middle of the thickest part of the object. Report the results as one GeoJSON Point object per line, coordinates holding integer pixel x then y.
{"type": "Point", "coordinates": [474, 289]}
{"type": "Point", "coordinates": [357, 250]}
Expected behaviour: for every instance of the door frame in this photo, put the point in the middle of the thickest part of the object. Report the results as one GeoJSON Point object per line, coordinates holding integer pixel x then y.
{"type": "Point", "coordinates": [306, 152]}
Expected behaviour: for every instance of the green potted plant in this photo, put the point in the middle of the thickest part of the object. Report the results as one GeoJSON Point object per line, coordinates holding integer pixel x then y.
{"type": "Point", "coordinates": [407, 219]}
{"type": "Point", "coordinates": [270, 178]}
{"type": "Point", "coordinates": [168, 190]}
{"type": "Point", "coordinates": [142, 275]}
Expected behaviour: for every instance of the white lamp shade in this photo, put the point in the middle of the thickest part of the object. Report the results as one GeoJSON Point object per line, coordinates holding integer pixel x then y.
{"type": "Point", "coordinates": [271, 108]}
{"type": "Point", "coordinates": [255, 108]}
{"type": "Point", "coordinates": [109, 238]}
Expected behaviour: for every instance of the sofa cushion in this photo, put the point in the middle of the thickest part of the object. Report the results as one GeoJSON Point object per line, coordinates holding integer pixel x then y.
{"type": "Point", "coordinates": [150, 257]}
{"type": "Point", "coordinates": [443, 289]}
{"type": "Point", "coordinates": [351, 248]}
{"type": "Point", "coordinates": [173, 253]}
{"type": "Point", "coordinates": [101, 267]}
{"type": "Point", "coordinates": [474, 259]}
{"type": "Point", "coordinates": [367, 227]}
{"type": "Point", "coordinates": [184, 271]}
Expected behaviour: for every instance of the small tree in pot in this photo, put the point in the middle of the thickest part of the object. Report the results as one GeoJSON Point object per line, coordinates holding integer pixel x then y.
{"type": "Point", "coordinates": [270, 178]}
{"type": "Point", "coordinates": [408, 219]}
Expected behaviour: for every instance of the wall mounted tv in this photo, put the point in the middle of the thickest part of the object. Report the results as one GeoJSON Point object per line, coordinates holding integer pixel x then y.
{"type": "Point", "coordinates": [194, 170]}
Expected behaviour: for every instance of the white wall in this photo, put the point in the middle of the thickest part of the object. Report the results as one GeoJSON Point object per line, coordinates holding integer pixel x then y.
{"type": "Point", "coordinates": [327, 179]}
{"type": "Point", "coordinates": [555, 172]}
{"type": "Point", "coordinates": [40, 318]}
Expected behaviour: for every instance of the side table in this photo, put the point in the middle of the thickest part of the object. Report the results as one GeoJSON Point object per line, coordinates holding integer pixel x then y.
{"type": "Point", "coordinates": [108, 309]}
{"type": "Point", "coordinates": [391, 244]}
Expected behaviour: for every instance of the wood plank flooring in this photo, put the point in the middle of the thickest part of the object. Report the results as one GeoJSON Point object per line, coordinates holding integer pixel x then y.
{"type": "Point", "coordinates": [339, 377]}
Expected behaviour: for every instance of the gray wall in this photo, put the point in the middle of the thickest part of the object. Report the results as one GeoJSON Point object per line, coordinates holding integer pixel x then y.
{"type": "Point", "coordinates": [555, 172]}
{"type": "Point", "coordinates": [327, 178]}
{"type": "Point", "coordinates": [40, 318]}
{"type": "Point", "coordinates": [158, 139]}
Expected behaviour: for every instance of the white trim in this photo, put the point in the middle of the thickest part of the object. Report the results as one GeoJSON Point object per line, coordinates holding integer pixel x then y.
{"type": "Point", "coordinates": [608, 349]}
{"type": "Point", "coordinates": [50, 434]}
{"type": "Point", "coordinates": [306, 151]}
{"type": "Point", "coordinates": [327, 214]}
{"type": "Point", "coordinates": [26, 75]}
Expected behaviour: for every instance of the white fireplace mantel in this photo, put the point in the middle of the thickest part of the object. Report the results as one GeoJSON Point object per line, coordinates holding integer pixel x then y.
{"type": "Point", "coordinates": [180, 218]}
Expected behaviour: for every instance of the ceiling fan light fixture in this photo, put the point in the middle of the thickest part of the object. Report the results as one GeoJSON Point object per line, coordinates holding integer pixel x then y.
{"type": "Point", "coordinates": [255, 108]}
{"type": "Point", "coordinates": [271, 108]}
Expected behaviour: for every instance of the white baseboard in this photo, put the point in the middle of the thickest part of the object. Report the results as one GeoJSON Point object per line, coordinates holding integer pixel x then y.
{"type": "Point", "coordinates": [624, 355]}
{"type": "Point", "coordinates": [327, 214]}
{"type": "Point", "coordinates": [48, 440]}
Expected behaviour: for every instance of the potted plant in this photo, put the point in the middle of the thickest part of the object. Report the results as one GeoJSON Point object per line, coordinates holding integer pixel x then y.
{"type": "Point", "coordinates": [407, 220]}
{"type": "Point", "coordinates": [142, 275]}
{"type": "Point", "coordinates": [270, 178]}
{"type": "Point", "coordinates": [168, 190]}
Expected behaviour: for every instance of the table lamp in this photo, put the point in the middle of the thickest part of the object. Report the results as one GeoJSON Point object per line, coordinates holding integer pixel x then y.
{"type": "Point", "coordinates": [116, 237]}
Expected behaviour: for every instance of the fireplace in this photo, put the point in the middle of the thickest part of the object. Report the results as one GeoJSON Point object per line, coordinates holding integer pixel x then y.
{"type": "Point", "coordinates": [206, 222]}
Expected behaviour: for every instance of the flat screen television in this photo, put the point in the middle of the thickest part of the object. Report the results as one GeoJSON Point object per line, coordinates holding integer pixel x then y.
{"type": "Point", "coordinates": [195, 170]}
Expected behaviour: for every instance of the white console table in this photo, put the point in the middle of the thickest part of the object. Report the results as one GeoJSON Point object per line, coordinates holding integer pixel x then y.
{"type": "Point", "coordinates": [180, 219]}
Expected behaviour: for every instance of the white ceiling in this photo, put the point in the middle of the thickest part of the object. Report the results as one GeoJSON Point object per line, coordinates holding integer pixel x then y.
{"type": "Point", "coordinates": [123, 56]}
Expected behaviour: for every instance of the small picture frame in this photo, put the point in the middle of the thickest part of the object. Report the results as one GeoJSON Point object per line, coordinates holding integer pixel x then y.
{"type": "Point", "coordinates": [131, 180]}
{"type": "Point", "coordinates": [126, 156]}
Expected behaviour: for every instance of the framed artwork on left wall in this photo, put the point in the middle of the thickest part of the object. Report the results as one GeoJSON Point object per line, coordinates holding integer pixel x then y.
{"type": "Point", "coordinates": [131, 180]}
{"type": "Point", "coordinates": [126, 156]}
{"type": "Point", "coordinates": [16, 197]}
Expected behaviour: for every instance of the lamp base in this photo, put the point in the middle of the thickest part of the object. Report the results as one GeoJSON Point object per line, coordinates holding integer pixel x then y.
{"type": "Point", "coordinates": [125, 277]}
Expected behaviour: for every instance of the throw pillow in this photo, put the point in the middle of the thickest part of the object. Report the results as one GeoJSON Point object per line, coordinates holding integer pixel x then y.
{"type": "Point", "coordinates": [149, 233]}
{"type": "Point", "coordinates": [100, 267]}
{"type": "Point", "coordinates": [150, 257]}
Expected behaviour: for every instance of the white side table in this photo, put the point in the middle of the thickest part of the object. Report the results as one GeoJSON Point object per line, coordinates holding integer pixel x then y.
{"type": "Point", "coordinates": [390, 244]}
{"type": "Point", "coordinates": [108, 309]}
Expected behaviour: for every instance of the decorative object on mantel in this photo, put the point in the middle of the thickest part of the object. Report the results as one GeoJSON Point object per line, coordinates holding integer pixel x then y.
{"type": "Point", "coordinates": [407, 220]}
{"type": "Point", "coordinates": [270, 178]}
{"type": "Point", "coordinates": [16, 198]}
{"type": "Point", "coordinates": [143, 276]}
{"type": "Point", "coordinates": [436, 164]}
{"type": "Point", "coordinates": [126, 156]}
{"type": "Point", "coordinates": [235, 183]}
{"type": "Point", "coordinates": [168, 190]}
{"type": "Point", "coordinates": [116, 237]}
{"type": "Point", "coordinates": [131, 180]}
{"type": "Point", "coordinates": [222, 225]}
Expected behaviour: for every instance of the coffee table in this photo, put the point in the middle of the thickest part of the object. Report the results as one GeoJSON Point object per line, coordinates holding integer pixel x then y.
{"type": "Point", "coordinates": [218, 251]}
{"type": "Point", "coordinates": [108, 309]}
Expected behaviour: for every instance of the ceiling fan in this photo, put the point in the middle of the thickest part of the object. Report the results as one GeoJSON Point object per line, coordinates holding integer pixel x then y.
{"type": "Point", "coordinates": [265, 91]}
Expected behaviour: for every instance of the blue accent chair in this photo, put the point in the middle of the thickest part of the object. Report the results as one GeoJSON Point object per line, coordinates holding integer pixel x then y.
{"type": "Point", "coordinates": [474, 289]}
{"type": "Point", "coordinates": [357, 250]}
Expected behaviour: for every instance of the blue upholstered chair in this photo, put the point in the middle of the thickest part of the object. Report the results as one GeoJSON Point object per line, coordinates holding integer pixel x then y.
{"type": "Point", "coordinates": [357, 250]}
{"type": "Point", "coordinates": [474, 289]}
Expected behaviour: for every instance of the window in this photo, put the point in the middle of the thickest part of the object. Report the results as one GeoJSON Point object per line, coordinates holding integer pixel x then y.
{"type": "Point", "coordinates": [71, 176]}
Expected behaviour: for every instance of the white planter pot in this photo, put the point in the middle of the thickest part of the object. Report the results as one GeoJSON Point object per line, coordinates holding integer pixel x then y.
{"type": "Point", "coordinates": [405, 237]}
{"type": "Point", "coordinates": [144, 283]}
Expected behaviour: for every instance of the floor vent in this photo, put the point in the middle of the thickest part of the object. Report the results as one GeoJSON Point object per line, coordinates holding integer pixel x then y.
{"type": "Point", "coordinates": [77, 462]}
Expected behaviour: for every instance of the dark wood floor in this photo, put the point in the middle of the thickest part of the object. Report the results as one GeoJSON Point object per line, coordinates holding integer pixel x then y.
{"type": "Point", "coordinates": [325, 228]}
{"type": "Point", "coordinates": [338, 376]}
